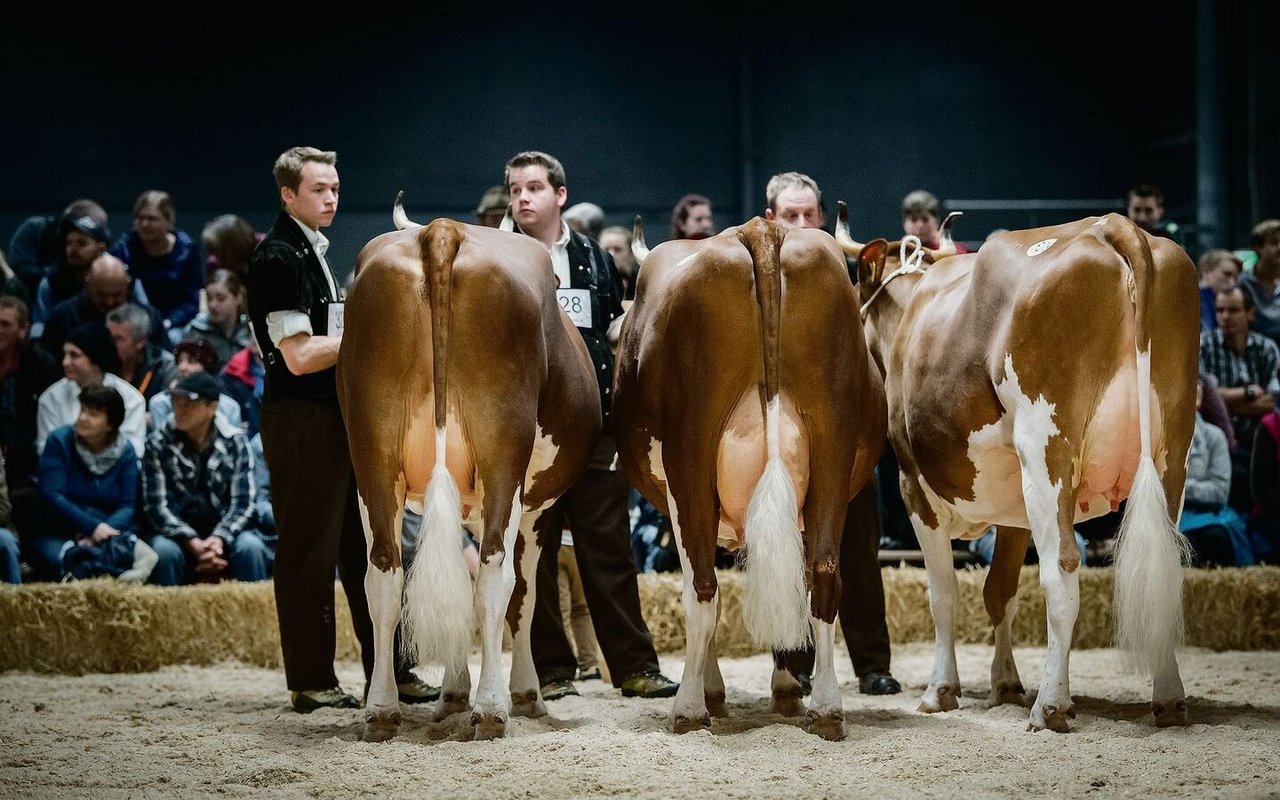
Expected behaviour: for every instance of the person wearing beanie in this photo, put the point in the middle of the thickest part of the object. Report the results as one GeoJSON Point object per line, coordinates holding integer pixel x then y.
{"type": "Point", "coordinates": [89, 358]}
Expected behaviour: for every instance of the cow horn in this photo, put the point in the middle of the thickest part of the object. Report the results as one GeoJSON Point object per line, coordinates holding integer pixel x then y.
{"type": "Point", "coordinates": [638, 248]}
{"type": "Point", "coordinates": [847, 244]}
{"type": "Point", "coordinates": [946, 245]}
{"type": "Point", "coordinates": [398, 216]}
{"type": "Point", "coordinates": [508, 223]}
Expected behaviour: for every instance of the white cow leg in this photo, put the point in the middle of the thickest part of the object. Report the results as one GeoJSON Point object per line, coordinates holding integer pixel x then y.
{"type": "Point", "coordinates": [526, 698]}
{"type": "Point", "coordinates": [1062, 603]}
{"type": "Point", "coordinates": [1168, 700]}
{"type": "Point", "coordinates": [382, 704]}
{"type": "Point", "coordinates": [943, 691]}
{"type": "Point", "coordinates": [689, 711]}
{"type": "Point", "coordinates": [495, 583]}
{"type": "Point", "coordinates": [713, 681]}
{"type": "Point", "coordinates": [826, 714]}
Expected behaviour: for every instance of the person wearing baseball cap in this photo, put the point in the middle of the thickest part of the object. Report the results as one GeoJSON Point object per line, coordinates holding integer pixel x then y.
{"type": "Point", "coordinates": [89, 358]}
{"type": "Point", "coordinates": [204, 519]}
{"type": "Point", "coordinates": [194, 356]}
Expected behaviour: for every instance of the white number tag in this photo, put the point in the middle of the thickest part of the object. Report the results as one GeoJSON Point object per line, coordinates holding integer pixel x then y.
{"type": "Point", "coordinates": [577, 304]}
{"type": "Point", "coordinates": [337, 316]}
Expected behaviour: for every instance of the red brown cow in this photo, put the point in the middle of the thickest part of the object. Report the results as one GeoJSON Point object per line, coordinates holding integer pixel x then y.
{"type": "Point", "coordinates": [465, 387]}
{"type": "Point", "coordinates": [1034, 384]}
{"type": "Point", "coordinates": [749, 412]}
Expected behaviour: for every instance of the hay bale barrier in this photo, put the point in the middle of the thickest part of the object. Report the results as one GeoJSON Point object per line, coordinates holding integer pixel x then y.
{"type": "Point", "coordinates": [106, 626]}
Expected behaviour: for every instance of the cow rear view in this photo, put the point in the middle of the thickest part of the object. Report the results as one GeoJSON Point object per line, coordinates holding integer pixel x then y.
{"type": "Point", "coordinates": [464, 388]}
{"type": "Point", "coordinates": [748, 411]}
{"type": "Point", "coordinates": [1035, 384]}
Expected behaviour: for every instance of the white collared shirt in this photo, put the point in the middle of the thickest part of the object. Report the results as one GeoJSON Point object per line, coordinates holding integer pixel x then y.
{"type": "Point", "coordinates": [560, 255]}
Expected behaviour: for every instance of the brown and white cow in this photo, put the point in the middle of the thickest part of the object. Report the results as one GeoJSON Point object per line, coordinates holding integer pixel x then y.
{"type": "Point", "coordinates": [748, 411]}
{"type": "Point", "coordinates": [465, 387]}
{"type": "Point", "coordinates": [1034, 384]}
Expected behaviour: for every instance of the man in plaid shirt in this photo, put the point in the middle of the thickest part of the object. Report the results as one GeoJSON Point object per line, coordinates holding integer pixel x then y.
{"type": "Point", "coordinates": [198, 493]}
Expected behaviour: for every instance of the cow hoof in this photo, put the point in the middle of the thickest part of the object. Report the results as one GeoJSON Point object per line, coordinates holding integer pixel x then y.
{"type": "Point", "coordinates": [528, 704]}
{"type": "Point", "coordinates": [940, 698]}
{"type": "Point", "coordinates": [1051, 717]}
{"type": "Point", "coordinates": [829, 726]}
{"type": "Point", "coordinates": [1170, 714]}
{"type": "Point", "coordinates": [715, 704]}
{"type": "Point", "coordinates": [380, 726]}
{"type": "Point", "coordinates": [489, 725]}
{"type": "Point", "coordinates": [452, 703]}
{"type": "Point", "coordinates": [683, 724]}
{"type": "Point", "coordinates": [787, 702]}
{"type": "Point", "coordinates": [1008, 693]}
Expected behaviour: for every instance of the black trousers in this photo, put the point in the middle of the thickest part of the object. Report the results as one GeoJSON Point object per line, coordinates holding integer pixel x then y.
{"type": "Point", "coordinates": [595, 511]}
{"type": "Point", "coordinates": [862, 614]}
{"type": "Point", "coordinates": [313, 495]}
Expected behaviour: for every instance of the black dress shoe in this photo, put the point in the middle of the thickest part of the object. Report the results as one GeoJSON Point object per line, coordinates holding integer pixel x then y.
{"type": "Point", "coordinates": [416, 690]}
{"type": "Point", "coordinates": [878, 683]}
{"type": "Point", "coordinates": [649, 684]}
{"type": "Point", "coordinates": [306, 702]}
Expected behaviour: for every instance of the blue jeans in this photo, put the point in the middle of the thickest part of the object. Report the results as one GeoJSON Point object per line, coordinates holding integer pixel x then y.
{"type": "Point", "coordinates": [250, 559]}
{"type": "Point", "coordinates": [10, 563]}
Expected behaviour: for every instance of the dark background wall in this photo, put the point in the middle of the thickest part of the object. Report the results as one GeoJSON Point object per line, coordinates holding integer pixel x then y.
{"type": "Point", "coordinates": [974, 102]}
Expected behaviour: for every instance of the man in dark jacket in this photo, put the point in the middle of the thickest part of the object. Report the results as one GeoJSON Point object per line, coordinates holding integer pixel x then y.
{"type": "Point", "coordinates": [293, 295]}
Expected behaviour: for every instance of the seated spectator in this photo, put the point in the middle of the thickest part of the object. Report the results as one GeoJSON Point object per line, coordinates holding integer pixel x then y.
{"type": "Point", "coordinates": [1244, 365]}
{"type": "Point", "coordinates": [266, 516]}
{"type": "Point", "coordinates": [146, 365]}
{"type": "Point", "coordinates": [224, 323]}
{"type": "Point", "coordinates": [36, 249]}
{"type": "Point", "coordinates": [89, 359]}
{"type": "Point", "coordinates": [1215, 530]}
{"type": "Point", "coordinates": [1263, 281]}
{"type": "Point", "coordinates": [84, 239]}
{"type": "Point", "coordinates": [616, 240]}
{"type": "Point", "coordinates": [585, 218]}
{"type": "Point", "coordinates": [25, 372]}
{"type": "Point", "coordinates": [984, 547]}
{"type": "Point", "coordinates": [1219, 270]}
{"type": "Point", "coordinates": [1146, 208]}
{"type": "Point", "coordinates": [1264, 483]}
{"type": "Point", "coordinates": [493, 206]}
{"type": "Point", "coordinates": [191, 356]}
{"type": "Point", "coordinates": [198, 488]}
{"type": "Point", "coordinates": [653, 541]}
{"type": "Point", "coordinates": [920, 218]}
{"type": "Point", "coordinates": [106, 288]}
{"type": "Point", "coordinates": [89, 480]}
{"type": "Point", "coordinates": [10, 552]}
{"type": "Point", "coordinates": [691, 218]}
{"type": "Point", "coordinates": [242, 380]}
{"type": "Point", "coordinates": [229, 241]}
{"type": "Point", "coordinates": [165, 259]}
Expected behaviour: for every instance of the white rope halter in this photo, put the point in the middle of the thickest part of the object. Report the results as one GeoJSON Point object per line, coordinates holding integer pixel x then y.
{"type": "Point", "coordinates": [909, 264]}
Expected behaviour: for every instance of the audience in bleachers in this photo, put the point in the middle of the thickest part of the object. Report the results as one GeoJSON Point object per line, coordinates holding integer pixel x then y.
{"type": "Point", "coordinates": [70, 271]}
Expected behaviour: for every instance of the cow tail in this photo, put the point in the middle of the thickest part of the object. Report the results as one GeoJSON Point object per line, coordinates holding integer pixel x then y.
{"type": "Point", "coordinates": [775, 603]}
{"type": "Point", "coordinates": [439, 601]}
{"type": "Point", "coordinates": [1150, 551]}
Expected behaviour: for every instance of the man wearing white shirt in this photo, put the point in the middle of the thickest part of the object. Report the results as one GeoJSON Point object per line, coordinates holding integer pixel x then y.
{"type": "Point", "coordinates": [293, 300]}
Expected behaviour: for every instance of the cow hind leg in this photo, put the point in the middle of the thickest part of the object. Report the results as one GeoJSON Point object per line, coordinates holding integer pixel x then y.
{"type": "Point", "coordinates": [495, 583]}
{"type": "Point", "coordinates": [1000, 595]}
{"type": "Point", "coordinates": [526, 699]}
{"type": "Point", "coordinates": [826, 713]}
{"type": "Point", "coordinates": [383, 588]}
{"type": "Point", "coordinates": [1050, 510]}
{"type": "Point", "coordinates": [713, 681]}
{"type": "Point", "coordinates": [943, 691]}
{"type": "Point", "coordinates": [701, 600]}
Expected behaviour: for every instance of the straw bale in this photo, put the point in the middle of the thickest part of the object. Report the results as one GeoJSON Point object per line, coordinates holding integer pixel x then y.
{"type": "Point", "coordinates": [107, 626]}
